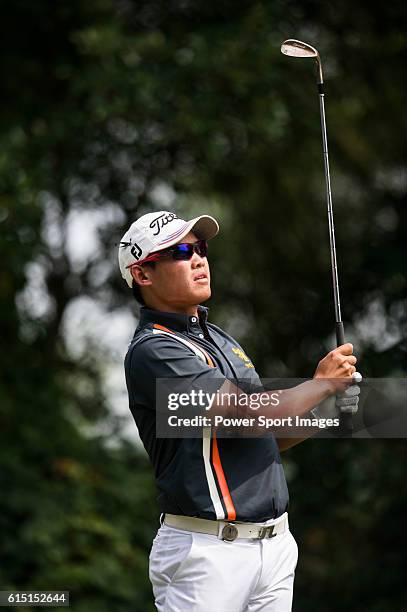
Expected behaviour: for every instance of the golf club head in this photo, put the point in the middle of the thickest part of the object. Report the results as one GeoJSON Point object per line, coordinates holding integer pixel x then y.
{"type": "Point", "coordinates": [297, 48]}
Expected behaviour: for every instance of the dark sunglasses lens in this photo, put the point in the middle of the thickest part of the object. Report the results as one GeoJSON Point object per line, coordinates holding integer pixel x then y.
{"type": "Point", "coordinates": [202, 248]}
{"type": "Point", "coordinates": [183, 252]}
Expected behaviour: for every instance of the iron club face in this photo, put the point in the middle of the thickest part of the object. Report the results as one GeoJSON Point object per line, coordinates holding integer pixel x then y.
{"type": "Point", "coordinates": [297, 48]}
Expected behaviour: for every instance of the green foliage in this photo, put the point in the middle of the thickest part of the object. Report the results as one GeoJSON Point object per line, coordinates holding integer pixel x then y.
{"type": "Point", "coordinates": [103, 103]}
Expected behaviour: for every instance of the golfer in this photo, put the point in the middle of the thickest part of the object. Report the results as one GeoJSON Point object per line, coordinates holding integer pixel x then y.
{"type": "Point", "coordinates": [224, 544]}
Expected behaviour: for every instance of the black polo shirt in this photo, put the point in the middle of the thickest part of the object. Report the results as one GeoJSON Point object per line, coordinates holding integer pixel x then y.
{"type": "Point", "coordinates": [218, 478]}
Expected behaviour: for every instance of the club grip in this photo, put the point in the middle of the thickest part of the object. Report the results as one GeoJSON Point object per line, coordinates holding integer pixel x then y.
{"type": "Point", "coordinates": [346, 418]}
{"type": "Point", "coordinates": [340, 333]}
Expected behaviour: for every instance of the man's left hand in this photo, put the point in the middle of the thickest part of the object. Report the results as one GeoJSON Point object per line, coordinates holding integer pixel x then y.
{"type": "Point", "coordinates": [348, 401]}
{"type": "Point", "coordinates": [345, 402]}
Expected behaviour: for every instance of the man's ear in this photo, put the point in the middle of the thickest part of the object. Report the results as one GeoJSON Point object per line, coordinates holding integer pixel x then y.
{"type": "Point", "coordinates": [140, 275]}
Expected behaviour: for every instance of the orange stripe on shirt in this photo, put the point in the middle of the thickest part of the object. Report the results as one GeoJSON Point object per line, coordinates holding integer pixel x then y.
{"type": "Point", "coordinates": [227, 498]}
{"type": "Point", "coordinates": [208, 357]}
{"type": "Point", "coordinates": [157, 326]}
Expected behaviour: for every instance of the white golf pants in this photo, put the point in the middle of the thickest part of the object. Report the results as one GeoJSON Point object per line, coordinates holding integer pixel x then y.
{"type": "Point", "coordinates": [195, 572]}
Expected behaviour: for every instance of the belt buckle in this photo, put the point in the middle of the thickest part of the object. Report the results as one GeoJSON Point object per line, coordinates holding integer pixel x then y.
{"type": "Point", "coordinates": [267, 532]}
{"type": "Point", "coordinates": [229, 533]}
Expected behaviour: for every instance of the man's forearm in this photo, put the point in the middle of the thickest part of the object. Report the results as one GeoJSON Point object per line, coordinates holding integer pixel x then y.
{"type": "Point", "coordinates": [299, 400]}
{"type": "Point", "coordinates": [293, 402]}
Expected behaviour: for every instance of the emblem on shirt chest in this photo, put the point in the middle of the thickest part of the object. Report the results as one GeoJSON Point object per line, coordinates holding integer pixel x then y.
{"type": "Point", "coordinates": [243, 357]}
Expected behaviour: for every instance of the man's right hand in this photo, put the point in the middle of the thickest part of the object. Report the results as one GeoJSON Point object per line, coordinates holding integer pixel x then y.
{"type": "Point", "coordinates": [338, 364]}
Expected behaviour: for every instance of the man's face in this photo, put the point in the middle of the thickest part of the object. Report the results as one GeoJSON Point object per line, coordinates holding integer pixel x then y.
{"type": "Point", "coordinates": [178, 286]}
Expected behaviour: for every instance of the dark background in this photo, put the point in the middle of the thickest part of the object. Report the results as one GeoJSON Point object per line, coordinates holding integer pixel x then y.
{"type": "Point", "coordinates": [110, 109]}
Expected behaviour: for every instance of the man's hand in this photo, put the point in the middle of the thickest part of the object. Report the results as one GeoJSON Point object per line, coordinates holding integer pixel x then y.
{"type": "Point", "coordinates": [338, 364]}
{"type": "Point", "coordinates": [345, 402]}
{"type": "Point", "coordinates": [348, 401]}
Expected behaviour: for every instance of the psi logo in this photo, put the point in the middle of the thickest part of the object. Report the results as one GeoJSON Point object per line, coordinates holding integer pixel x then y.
{"type": "Point", "coordinates": [243, 357]}
{"type": "Point", "coordinates": [136, 251]}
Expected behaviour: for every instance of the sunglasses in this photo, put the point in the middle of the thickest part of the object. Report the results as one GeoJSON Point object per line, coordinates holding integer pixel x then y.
{"type": "Point", "coordinates": [179, 252]}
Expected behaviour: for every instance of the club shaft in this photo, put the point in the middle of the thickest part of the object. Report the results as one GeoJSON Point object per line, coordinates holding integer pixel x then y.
{"type": "Point", "coordinates": [346, 419]}
{"type": "Point", "coordinates": [331, 225]}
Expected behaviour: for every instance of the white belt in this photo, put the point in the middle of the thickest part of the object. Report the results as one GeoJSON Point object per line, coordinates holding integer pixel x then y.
{"type": "Point", "coordinates": [226, 530]}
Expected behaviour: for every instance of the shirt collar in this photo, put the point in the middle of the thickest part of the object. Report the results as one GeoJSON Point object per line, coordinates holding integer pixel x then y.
{"type": "Point", "coordinates": [173, 320]}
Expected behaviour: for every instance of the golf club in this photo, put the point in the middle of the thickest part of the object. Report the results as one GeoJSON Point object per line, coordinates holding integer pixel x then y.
{"type": "Point", "coordinates": [296, 48]}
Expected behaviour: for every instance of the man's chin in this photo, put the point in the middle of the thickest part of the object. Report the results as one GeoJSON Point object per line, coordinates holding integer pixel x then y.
{"type": "Point", "coordinates": [205, 295]}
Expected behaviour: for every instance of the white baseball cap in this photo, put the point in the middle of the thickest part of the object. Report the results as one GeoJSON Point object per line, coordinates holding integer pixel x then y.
{"type": "Point", "coordinates": [157, 231]}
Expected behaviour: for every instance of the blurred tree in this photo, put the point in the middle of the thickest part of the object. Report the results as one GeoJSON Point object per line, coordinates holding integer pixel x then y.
{"type": "Point", "coordinates": [110, 109]}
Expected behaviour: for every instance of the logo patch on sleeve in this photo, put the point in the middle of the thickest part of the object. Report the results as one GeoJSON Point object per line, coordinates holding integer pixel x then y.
{"type": "Point", "coordinates": [243, 357]}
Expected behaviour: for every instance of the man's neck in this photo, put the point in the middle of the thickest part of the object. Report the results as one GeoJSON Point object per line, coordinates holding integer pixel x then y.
{"type": "Point", "coordinates": [190, 311]}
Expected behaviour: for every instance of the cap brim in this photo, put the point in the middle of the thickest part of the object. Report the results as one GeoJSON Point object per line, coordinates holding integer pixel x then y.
{"type": "Point", "coordinates": [204, 227]}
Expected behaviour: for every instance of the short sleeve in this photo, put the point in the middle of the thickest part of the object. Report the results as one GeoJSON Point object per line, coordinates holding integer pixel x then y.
{"type": "Point", "coordinates": [160, 357]}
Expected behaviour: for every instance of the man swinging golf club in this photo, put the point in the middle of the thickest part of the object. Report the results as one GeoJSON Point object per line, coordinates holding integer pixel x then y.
{"type": "Point", "coordinates": [224, 544]}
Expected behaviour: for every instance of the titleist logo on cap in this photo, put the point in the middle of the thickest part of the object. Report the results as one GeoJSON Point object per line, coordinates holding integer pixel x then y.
{"type": "Point", "coordinates": [161, 221]}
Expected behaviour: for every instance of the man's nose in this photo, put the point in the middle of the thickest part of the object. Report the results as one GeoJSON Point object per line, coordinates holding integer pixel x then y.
{"type": "Point", "coordinates": [197, 261]}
